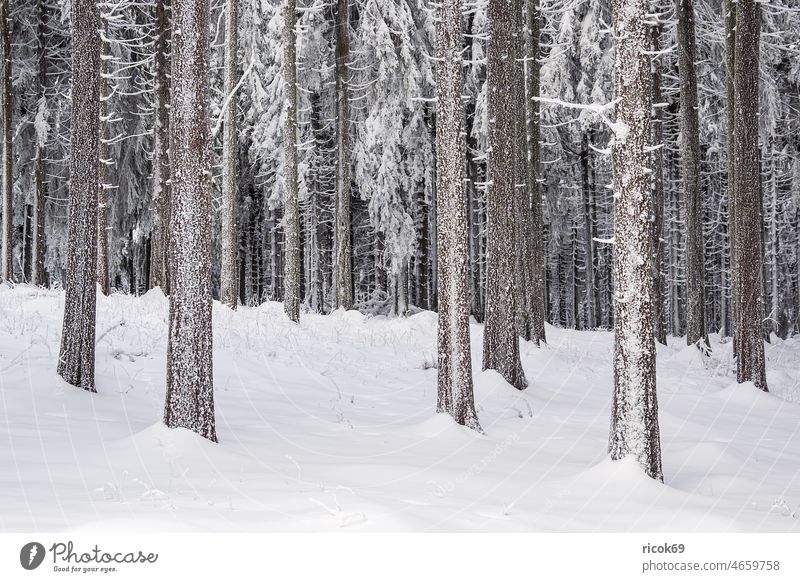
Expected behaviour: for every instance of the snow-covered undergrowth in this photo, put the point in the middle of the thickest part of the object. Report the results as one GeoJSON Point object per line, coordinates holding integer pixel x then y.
{"type": "Point", "coordinates": [330, 425]}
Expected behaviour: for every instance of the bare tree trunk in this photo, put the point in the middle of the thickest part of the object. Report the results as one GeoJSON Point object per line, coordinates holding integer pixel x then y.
{"type": "Point", "coordinates": [190, 384]}
{"type": "Point", "coordinates": [6, 264]}
{"type": "Point", "coordinates": [38, 276]}
{"type": "Point", "coordinates": [634, 420]}
{"type": "Point", "coordinates": [748, 287]}
{"type": "Point", "coordinates": [538, 305]}
{"type": "Point", "coordinates": [76, 358]}
{"type": "Point", "coordinates": [730, 68]}
{"type": "Point", "coordinates": [159, 242]}
{"type": "Point", "coordinates": [291, 218]}
{"type": "Point", "coordinates": [229, 271]}
{"type": "Point", "coordinates": [343, 261]}
{"type": "Point", "coordinates": [500, 340]}
{"type": "Point", "coordinates": [658, 194]}
{"type": "Point", "coordinates": [690, 158]}
{"type": "Point", "coordinates": [455, 364]}
{"type": "Point", "coordinates": [103, 164]}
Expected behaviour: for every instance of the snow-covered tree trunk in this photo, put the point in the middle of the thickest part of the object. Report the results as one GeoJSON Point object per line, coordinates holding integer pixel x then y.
{"type": "Point", "coordinates": [159, 242]}
{"type": "Point", "coordinates": [500, 340]}
{"type": "Point", "coordinates": [6, 264]}
{"type": "Point", "coordinates": [748, 287]}
{"type": "Point", "coordinates": [190, 388]}
{"type": "Point", "coordinates": [690, 169]}
{"type": "Point", "coordinates": [455, 365]}
{"type": "Point", "coordinates": [291, 217]}
{"type": "Point", "coordinates": [102, 170]}
{"type": "Point", "coordinates": [76, 358]}
{"type": "Point", "coordinates": [229, 271]}
{"type": "Point", "coordinates": [657, 162]}
{"type": "Point", "coordinates": [38, 275]}
{"type": "Point", "coordinates": [532, 118]}
{"type": "Point", "coordinates": [730, 68]}
{"type": "Point", "coordinates": [634, 416]}
{"type": "Point", "coordinates": [343, 251]}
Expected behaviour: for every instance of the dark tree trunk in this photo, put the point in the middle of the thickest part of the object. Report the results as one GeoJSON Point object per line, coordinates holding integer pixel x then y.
{"type": "Point", "coordinates": [634, 420]}
{"type": "Point", "coordinates": [6, 264]}
{"type": "Point", "coordinates": [38, 240]}
{"type": "Point", "coordinates": [76, 358]}
{"type": "Point", "coordinates": [190, 387]}
{"type": "Point", "coordinates": [343, 261]}
{"type": "Point", "coordinates": [160, 271]}
{"type": "Point", "coordinates": [690, 167]}
{"type": "Point", "coordinates": [748, 288]}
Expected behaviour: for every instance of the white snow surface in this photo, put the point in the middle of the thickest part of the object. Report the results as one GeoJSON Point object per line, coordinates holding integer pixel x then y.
{"type": "Point", "coordinates": [329, 425]}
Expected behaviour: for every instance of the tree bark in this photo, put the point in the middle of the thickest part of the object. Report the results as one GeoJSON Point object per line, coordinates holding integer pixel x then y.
{"type": "Point", "coordinates": [690, 167]}
{"type": "Point", "coordinates": [634, 420]}
{"type": "Point", "coordinates": [291, 218]}
{"type": "Point", "coordinates": [160, 238]}
{"type": "Point", "coordinates": [76, 358]}
{"type": "Point", "coordinates": [500, 340]}
{"type": "Point", "coordinates": [455, 395]}
{"type": "Point", "coordinates": [102, 169]}
{"type": "Point", "coordinates": [730, 68]}
{"type": "Point", "coordinates": [38, 275]}
{"type": "Point", "coordinates": [657, 163]}
{"type": "Point", "coordinates": [748, 287]}
{"type": "Point", "coordinates": [6, 264]}
{"type": "Point", "coordinates": [190, 387]}
{"type": "Point", "coordinates": [343, 261]}
{"type": "Point", "coordinates": [229, 270]}
{"type": "Point", "coordinates": [532, 121]}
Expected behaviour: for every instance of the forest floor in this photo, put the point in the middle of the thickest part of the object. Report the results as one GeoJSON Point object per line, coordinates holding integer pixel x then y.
{"type": "Point", "coordinates": [329, 425]}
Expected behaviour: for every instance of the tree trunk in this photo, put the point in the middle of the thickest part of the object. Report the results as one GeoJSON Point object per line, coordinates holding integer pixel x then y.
{"type": "Point", "coordinates": [229, 271]}
{"type": "Point", "coordinates": [76, 358]}
{"type": "Point", "coordinates": [634, 420]}
{"type": "Point", "coordinates": [291, 218]}
{"type": "Point", "coordinates": [730, 61]}
{"type": "Point", "coordinates": [160, 240]}
{"type": "Point", "coordinates": [343, 261]}
{"type": "Point", "coordinates": [537, 288]}
{"type": "Point", "coordinates": [103, 165]}
{"type": "Point", "coordinates": [690, 167]}
{"type": "Point", "coordinates": [190, 387]}
{"type": "Point", "coordinates": [748, 288]}
{"type": "Point", "coordinates": [657, 164]}
{"type": "Point", "coordinates": [6, 264]}
{"type": "Point", "coordinates": [38, 276]}
{"type": "Point", "coordinates": [455, 364]}
{"type": "Point", "coordinates": [500, 340]}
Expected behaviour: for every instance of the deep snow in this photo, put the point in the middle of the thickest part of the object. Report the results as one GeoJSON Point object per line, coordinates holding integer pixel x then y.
{"type": "Point", "coordinates": [329, 425]}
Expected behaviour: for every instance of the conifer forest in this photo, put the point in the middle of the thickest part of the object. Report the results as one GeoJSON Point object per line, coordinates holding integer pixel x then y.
{"type": "Point", "coordinates": [459, 265]}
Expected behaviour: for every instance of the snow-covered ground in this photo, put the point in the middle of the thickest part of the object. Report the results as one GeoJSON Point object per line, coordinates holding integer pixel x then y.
{"type": "Point", "coordinates": [330, 425]}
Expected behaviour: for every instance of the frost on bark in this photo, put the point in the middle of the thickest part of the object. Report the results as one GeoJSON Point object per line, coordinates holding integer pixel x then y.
{"type": "Point", "coordinates": [343, 252]}
{"type": "Point", "coordinates": [229, 269]}
{"type": "Point", "coordinates": [536, 292]}
{"type": "Point", "coordinates": [690, 169]}
{"type": "Point", "coordinates": [657, 162]}
{"type": "Point", "coordinates": [455, 395]}
{"type": "Point", "coordinates": [634, 416]}
{"type": "Point", "coordinates": [500, 340]}
{"type": "Point", "coordinates": [190, 390]}
{"type": "Point", "coordinates": [37, 248]}
{"type": "Point", "coordinates": [76, 358]}
{"type": "Point", "coordinates": [291, 217]}
{"type": "Point", "coordinates": [159, 241]}
{"type": "Point", "coordinates": [747, 267]}
{"type": "Point", "coordinates": [6, 265]}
